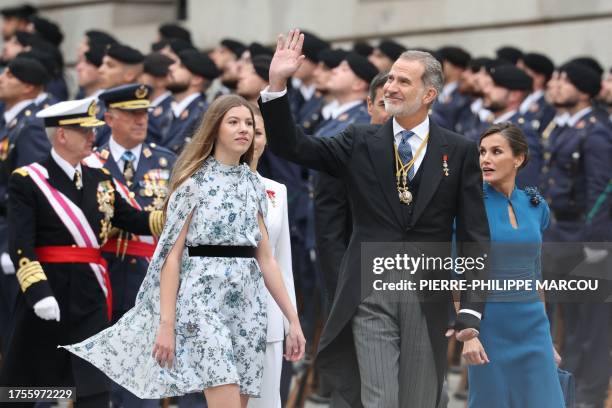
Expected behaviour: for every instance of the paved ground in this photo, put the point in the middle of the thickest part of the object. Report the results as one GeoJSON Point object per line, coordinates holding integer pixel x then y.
{"type": "Point", "coordinates": [454, 403]}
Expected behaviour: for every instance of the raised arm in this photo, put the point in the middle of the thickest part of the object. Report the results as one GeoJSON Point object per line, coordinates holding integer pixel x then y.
{"type": "Point", "coordinates": [285, 139]}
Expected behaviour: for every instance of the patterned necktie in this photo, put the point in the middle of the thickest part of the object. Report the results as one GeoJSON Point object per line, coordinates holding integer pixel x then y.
{"type": "Point", "coordinates": [78, 181]}
{"type": "Point", "coordinates": [128, 167]}
{"type": "Point", "coordinates": [405, 151]}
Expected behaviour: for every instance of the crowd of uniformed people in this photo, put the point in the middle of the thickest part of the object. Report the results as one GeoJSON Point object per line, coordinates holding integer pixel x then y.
{"type": "Point", "coordinates": [144, 108]}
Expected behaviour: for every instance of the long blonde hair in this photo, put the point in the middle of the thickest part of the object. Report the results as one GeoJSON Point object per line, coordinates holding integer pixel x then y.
{"type": "Point", "coordinates": [203, 142]}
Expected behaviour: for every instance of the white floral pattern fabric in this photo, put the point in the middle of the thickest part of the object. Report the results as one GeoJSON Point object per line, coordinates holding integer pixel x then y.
{"type": "Point", "coordinates": [221, 302]}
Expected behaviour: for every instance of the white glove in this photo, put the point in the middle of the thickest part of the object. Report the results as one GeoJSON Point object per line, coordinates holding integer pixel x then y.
{"type": "Point", "coordinates": [594, 255]}
{"type": "Point", "coordinates": [47, 309]}
{"type": "Point", "coordinates": [7, 265]}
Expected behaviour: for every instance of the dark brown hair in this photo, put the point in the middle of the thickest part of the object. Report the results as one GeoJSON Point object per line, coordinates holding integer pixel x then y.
{"type": "Point", "coordinates": [515, 137]}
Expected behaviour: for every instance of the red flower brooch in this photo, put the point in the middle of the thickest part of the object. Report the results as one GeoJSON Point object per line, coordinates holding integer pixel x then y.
{"type": "Point", "coordinates": [272, 197]}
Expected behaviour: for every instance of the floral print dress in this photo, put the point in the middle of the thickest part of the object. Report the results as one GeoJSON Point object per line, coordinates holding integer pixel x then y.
{"type": "Point", "coordinates": [221, 303]}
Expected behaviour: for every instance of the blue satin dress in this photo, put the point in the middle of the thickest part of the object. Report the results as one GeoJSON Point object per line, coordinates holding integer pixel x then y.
{"type": "Point", "coordinates": [515, 331]}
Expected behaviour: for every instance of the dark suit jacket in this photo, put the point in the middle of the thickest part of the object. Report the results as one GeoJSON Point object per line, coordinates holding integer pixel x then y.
{"type": "Point", "coordinates": [362, 156]}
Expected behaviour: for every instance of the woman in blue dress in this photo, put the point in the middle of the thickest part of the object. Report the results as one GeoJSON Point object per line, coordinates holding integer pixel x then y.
{"type": "Point", "coordinates": [512, 362]}
{"type": "Point", "coordinates": [199, 322]}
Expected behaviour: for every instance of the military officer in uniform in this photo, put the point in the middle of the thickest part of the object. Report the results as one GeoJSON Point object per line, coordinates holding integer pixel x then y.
{"type": "Point", "coordinates": [121, 65]}
{"type": "Point", "coordinates": [189, 78]}
{"type": "Point", "coordinates": [451, 100]}
{"type": "Point", "coordinates": [155, 74]}
{"type": "Point", "coordinates": [535, 108]}
{"type": "Point", "coordinates": [22, 141]}
{"type": "Point", "coordinates": [60, 213]}
{"type": "Point", "coordinates": [385, 54]}
{"type": "Point", "coordinates": [141, 173]}
{"type": "Point", "coordinates": [577, 170]}
{"type": "Point", "coordinates": [502, 97]}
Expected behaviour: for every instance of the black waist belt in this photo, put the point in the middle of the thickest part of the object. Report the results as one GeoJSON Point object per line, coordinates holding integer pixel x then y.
{"type": "Point", "coordinates": [222, 251]}
{"type": "Point", "coordinates": [562, 215]}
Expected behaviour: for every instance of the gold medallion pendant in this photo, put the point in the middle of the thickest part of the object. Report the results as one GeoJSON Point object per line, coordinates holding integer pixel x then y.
{"type": "Point", "coordinates": [401, 173]}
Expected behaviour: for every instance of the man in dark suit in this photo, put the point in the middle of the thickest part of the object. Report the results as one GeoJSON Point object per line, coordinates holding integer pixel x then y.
{"type": "Point", "coordinates": [395, 350]}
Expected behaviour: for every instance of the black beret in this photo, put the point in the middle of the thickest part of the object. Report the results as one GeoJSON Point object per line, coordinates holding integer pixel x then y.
{"type": "Point", "coordinates": [169, 31]}
{"type": "Point", "coordinates": [47, 60]}
{"type": "Point", "coordinates": [48, 30]}
{"type": "Point", "coordinates": [455, 55]}
{"type": "Point", "coordinates": [361, 66]}
{"type": "Point", "coordinates": [261, 63]}
{"type": "Point", "coordinates": [124, 53]}
{"type": "Point", "coordinates": [391, 49]}
{"type": "Point", "coordinates": [100, 37]}
{"type": "Point", "coordinates": [332, 58]}
{"type": "Point", "coordinates": [36, 41]}
{"type": "Point", "coordinates": [257, 49]}
{"type": "Point", "coordinates": [539, 63]}
{"type": "Point", "coordinates": [591, 63]}
{"type": "Point", "coordinates": [28, 70]}
{"type": "Point", "coordinates": [199, 64]}
{"type": "Point", "coordinates": [157, 64]}
{"type": "Point", "coordinates": [510, 54]}
{"type": "Point", "coordinates": [95, 54]}
{"type": "Point", "coordinates": [24, 37]}
{"type": "Point", "coordinates": [363, 48]}
{"type": "Point", "coordinates": [127, 97]}
{"type": "Point", "coordinates": [159, 45]}
{"type": "Point", "coordinates": [23, 12]}
{"type": "Point", "coordinates": [476, 64]}
{"type": "Point", "coordinates": [582, 77]}
{"type": "Point", "coordinates": [179, 45]}
{"type": "Point", "coordinates": [511, 77]}
{"type": "Point", "coordinates": [313, 45]}
{"type": "Point", "coordinates": [236, 47]}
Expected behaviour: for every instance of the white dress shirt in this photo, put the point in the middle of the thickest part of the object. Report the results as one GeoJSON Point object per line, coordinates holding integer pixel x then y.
{"type": "Point", "coordinates": [182, 105]}
{"type": "Point", "coordinates": [155, 102]}
{"type": "Point", "coordinates": [575, 118]}
{"type": "Point", "coordinates": [117, 151]}
{"type": "Point", "coordinates": [530, 100]}
{"type": "Point", "coordinates": [420, 133]}
{"type": "Point", "coordinates": [504, 117]}
{"type": "Point", "coordinates": [68, 168]}
{"type": "Point", "coordinates": [12, 113]}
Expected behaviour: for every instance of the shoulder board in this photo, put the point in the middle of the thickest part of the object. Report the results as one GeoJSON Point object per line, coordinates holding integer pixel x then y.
{"type": "Point", "coordinates": [160, 149]}
{"type": "Point", "coordinates": [105, 171]}
{"type": "Point", "coordinates": [22, 171]}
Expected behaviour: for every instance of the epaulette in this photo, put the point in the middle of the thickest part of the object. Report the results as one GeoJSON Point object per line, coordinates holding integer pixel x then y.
{"type": "Point", "coordinates": [160, 149]}
{"type": "Point", "coordinates": [105, 170]}
{"type": "Point", "coordinates": [22, 171]}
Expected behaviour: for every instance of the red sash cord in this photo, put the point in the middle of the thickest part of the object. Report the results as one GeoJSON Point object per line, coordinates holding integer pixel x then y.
{"type": "Point", "coordinates": [70, 254]}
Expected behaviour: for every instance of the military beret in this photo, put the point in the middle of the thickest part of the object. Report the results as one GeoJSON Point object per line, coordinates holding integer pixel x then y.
{"type": "Point", "coordinates": [199, 64]}
{"type": "Point", "coordinates": [24, 37]}
{"type": "Point", "coordinates": [591, 63]}
{"type": "Point", "coordinates": [44, 58]}
{"type": "Point", "coordinates": [582, 77]}
{"type": "Point", "coordinates": [178, 45]}
{"type": "Point", "coordinates": [35, 41]}
{"type": "Point", "coordinates": [95, 54]}
{"type": "Point", "coordinates": [169, 31]}
{"type": "Point", "coordinates": [22, 12]}
{"type": "Point", "coordinates": [261, 63]}
{"type": "Point", "coordinates": [159, 45]}
{"type": "Point", "coordinates": [361, 66]}
{"type": "Point", "coordinates": [236, 47]}
{"type": "Point", "coordinates": [539, 63]}
{"type": "Point", "coordinates": [256, 48]}
{"type": "Point", "coordinates": [157, 64]}
{"type": "Point", "coordinates": [363, 48]}
{"type": "Point", "coordinates": [48, 30]}
{"type": "Point", "coordinates": [332, 58]}
{"type": "Point", "coordinates": [510, 54]}
{"type": "Point", "coordinates": [313, 45]}
{"type": "Point", "coordinates": [455, 55]}
{"type": "Point", "coordinates": [127, 97]}
{"type": "Point", "coordinates": [124, 53]}
{"type": "Point", "coordinates": [391, 49]}
{"type": "Point", "coordinates": [28, 70]}
{"type": "Point", "coordinates": [511, 77]}
{"type": "Point", "coordinates": [75, 113]}
{"type": "Point", "coordinates": [476, 64]}
{"type": "Point", "coordinates": [100, 37]}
